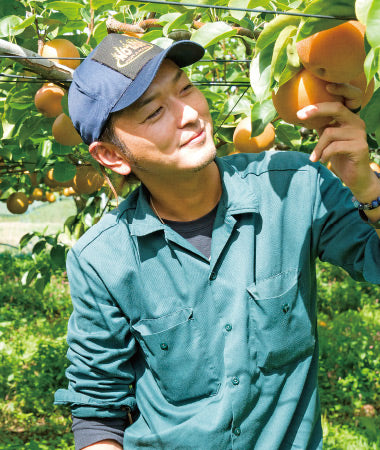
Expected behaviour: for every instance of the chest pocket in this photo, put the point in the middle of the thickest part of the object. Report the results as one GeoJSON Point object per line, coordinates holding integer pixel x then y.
{"type": "Point", "coordinates": [281, 324]}
{"type": "Point", "coordinates": [177, 356]}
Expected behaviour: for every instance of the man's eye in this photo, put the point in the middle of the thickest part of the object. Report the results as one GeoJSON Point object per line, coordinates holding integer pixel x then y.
{"type": "Point", "coordinates": [188, 86]}
{"type": "Point", "coordinates": [155, 113]}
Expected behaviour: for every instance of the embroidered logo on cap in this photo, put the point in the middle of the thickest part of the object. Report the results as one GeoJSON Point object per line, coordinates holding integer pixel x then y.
{"type": "Point", "coordinates": [125, 54]}
{"type": "Point", "coordinates": [129, 51]}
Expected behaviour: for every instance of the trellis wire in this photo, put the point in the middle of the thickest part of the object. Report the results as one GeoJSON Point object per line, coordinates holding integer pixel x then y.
{"type": "Point", "coordinates": [230, 111]}
{"type": "Point", "coordinates": [42, 80]}
{"type": "Point", "coordinates": [221, 83]}
{"type": "Point", "coordinates": [41, 57]}
{"type": "Point", "coordinates": [220, 60]}
{"type": "Point", "coordinates": [256, 10]}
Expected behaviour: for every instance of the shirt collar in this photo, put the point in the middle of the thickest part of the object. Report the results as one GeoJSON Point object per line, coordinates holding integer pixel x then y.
{"type": "Point", "coordinates": [237, 198]}
{"type": "Point", "coordinates": [237, 194]}
{"type": "Point", "coordinates": [145, 220]}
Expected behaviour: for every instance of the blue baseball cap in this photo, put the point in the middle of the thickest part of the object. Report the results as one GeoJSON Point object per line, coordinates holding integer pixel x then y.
{"type": "Point", "coordinates": [116, 74]}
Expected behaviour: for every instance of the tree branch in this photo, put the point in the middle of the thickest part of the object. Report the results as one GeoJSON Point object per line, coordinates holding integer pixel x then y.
{"type": "Point", "coordinates": [43, 66]}
{"type": "Point", "coordinates": [91, 26]}
{"type": "Point", "coordinates": [114, 26]}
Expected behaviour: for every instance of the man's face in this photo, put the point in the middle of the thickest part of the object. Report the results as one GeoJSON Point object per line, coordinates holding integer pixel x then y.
{"type": "Point", "coordinates": [168, 131]}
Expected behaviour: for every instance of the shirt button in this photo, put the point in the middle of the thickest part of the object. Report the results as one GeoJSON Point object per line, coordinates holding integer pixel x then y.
{"type": "Point", "coordinates": [285, 308]}
{"type": "Point", "coordinates": [228, 327]}
{"type": "Point", "coordinates": [164, 346]}
{"type": "Point", "coordinates": [237, 431]}
{"type": "Point", "coordinates": [235, 381]}
{"type": "Point", "coordinates": [212, 276]}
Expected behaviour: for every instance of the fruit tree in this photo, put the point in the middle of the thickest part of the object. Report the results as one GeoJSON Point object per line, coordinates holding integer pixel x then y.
{"type": "Point", "coordinates": [264, 60]}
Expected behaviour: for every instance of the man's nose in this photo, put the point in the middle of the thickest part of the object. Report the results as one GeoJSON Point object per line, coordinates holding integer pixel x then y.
{"type": "Point", "coordinates": [186, 114]}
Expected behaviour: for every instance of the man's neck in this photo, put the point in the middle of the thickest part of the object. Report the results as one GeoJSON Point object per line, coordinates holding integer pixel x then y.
{"type": "Point", "coordinates": [188, 197]}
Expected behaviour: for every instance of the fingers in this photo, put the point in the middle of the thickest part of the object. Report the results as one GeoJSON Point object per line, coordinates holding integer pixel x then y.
{"type": "Point", "coordinates": [350, 141]}
{"type": "Point", "coordinates": [353, 95]}
{"type": "Point", "coordinates": [334, 110]}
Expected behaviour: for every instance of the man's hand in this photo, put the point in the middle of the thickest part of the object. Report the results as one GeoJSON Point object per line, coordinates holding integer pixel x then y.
{"type": "Point", "coordinates": [108, 444]}
{"type": "Point", "coordinates": [344, 143]}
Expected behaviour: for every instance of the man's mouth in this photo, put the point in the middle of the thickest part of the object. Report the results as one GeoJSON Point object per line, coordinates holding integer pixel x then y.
{"type": "Point", "coordinates": [196, 138]}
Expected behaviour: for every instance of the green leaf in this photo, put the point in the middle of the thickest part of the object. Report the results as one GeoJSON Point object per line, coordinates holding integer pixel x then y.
{"type": "Point", "coordinates": [69, 224]}
{"type": "Point", "coordinates": [61, 150]}
{"type": "Point", "coordinates": [69, 9]}
{"type": "Point", "coordinates": [372, 63]}
{"type": "Point", "coordinates": [152, 35]}
{"type": "Point", "coordinates": [28, 128]}
{"type": "Point", "coordinates": [336, 8]}
{"type": "Point", "coordinates": [86, 16]}
{"type": "Point", "coordinates": [362, 8]}
{"type": "Point", "coordinates": [41, 283]}
{"type": "Point", "coordinates": [64, 171]}
{"type": "Point", "coordinates": [273, 29]}
{"type": "Point", "coordinates": [312, 25]}
{"type": "Point", "coordinates": [377, 135]}
{"type": "Point", "coordinates": [8, 128]}
{"type": "Point", "coordinates": [8, 26]}
{"type": "Point", "coordinates": [289, 135]}
{"type": "Point", "coordinates": [25, 239]}
{"type": "Point", "coordinates": [163, 42]}
{"type": "Point", "coordinates": [373, 24]}
{"type": "Point", "coordinates": [100, 31]}
{"type": "Point", "coordinates": [179, 22]}
{"type": "Point", "coordinates": [39, 246]}
{"type": "Point", "coordinates": [293, 64]}
{"type": "Point", "coordinates": [65, 105]}
{"type": "Point", "coordinates": [168, 18]}
{"type": "Point", "coordinates": [261, 114]}
{"type": "Point", "coordinates": [172, 17]}
{"type": "Point", "coordinates": [226, 133]}
{"type": "Point", "coordinates": [25, 23]}
{"type": "Point", "coordinates": [45, 148]}
{"type": "Point", "coordinates": [238, 15]}
{"type": "Point", "coordinates": [259, 73]}
{"type": "Point", "coordinates": [98, 3]}
{"type": "Point", "coordinates": [58, 256]}
{"type": "Point", "coordinates": [211, 33]}
{"type": "Point", "coordinates": [371, 113]}
{"type": "Point", "coordinates": [20, 99]}
{"type": "Point", "coordinates": [28, 276]}
{"type": "Point", "coordinates": [280, 51]}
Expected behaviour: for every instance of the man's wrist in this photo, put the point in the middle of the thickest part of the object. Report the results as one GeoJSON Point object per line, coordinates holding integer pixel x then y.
{"type": "Point", "coordinates": [368, 202]}
{"type": "Point", "coordinates": [371, 192]}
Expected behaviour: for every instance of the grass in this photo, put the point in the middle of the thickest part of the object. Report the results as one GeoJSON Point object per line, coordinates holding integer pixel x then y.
{"type": "Point", "coordinates": [33, 361]}
{"type": "Point", "coordinates": [346, 437]}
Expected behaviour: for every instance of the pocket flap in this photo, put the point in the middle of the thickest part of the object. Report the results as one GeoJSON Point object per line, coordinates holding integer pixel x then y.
{"type": "Point", "coordinates": [157, 325]}
{"type": "Point", "coordinates": [275, 286]}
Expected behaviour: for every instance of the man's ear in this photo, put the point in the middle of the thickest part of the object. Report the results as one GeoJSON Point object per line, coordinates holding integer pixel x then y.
{"type": "Point", "coordinates": [108, 155]}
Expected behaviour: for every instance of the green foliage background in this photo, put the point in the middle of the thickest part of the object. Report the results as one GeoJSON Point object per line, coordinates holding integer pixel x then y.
{"type": "Point", "coordinates": [33, 361]}
{"type": "Point", "coordinates": [248, 54]}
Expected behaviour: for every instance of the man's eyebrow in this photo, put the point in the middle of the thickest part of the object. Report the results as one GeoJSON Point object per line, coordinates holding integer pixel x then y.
{"type": "Point", "coordinates": [144, 101]}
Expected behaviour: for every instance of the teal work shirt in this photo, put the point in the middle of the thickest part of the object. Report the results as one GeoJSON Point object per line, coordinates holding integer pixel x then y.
{"type": "Point", "coordinates": [222, 353]}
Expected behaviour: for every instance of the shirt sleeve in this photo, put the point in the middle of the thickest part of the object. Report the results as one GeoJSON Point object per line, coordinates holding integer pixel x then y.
{"type": "Point", "coordinates": [101, 376]}
{"type": "Point", "coordinates": [340, 236]}
{"type": "Point", "coordinates": [88, 431]}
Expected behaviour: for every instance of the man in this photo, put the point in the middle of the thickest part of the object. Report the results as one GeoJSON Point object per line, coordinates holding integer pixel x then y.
{"type": "Point", "coordinates": [194, 323]}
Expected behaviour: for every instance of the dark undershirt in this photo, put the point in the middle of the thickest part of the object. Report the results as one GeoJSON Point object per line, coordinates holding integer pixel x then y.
{"type": "Point", "coordinates": [88, 431]}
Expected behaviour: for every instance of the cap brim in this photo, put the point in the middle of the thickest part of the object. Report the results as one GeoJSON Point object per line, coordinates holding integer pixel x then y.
{"type": "Point", "coordinates": [183, 53]}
